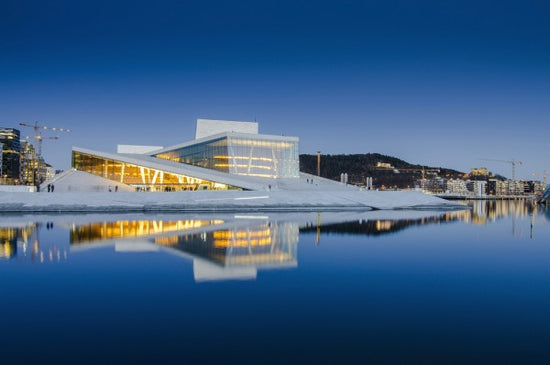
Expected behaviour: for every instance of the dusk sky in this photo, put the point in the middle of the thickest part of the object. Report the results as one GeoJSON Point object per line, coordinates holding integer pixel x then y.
{"type": "Point", "coordinates": [441, 83]}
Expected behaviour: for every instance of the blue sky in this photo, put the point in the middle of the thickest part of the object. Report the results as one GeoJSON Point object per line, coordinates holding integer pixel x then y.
{"type": "Point", "coordinates": [432, 82]}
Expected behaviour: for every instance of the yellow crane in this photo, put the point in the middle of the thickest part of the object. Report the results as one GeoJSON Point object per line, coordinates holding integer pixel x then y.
{"type": "Point", "coordinates": [513, 162]}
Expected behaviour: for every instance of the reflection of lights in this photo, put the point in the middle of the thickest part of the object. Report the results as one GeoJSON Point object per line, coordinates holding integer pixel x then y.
{"type": "Point", "coordinates": [167, 241]}
{"type": "Point", "coordinates": [124, 229]}
{"type": "Point", "coordinates": [241, 234]}
{"type": "Point", "coordinates": [242, 242]}
{"type": "Point", "coordinates": [6, 250]}
{"type": "Point", "coordinates": [383, 225]}
{"type": "Point", "coordinates": [255, 259]}
{"type": "Point", "coordinates": [244, 238]}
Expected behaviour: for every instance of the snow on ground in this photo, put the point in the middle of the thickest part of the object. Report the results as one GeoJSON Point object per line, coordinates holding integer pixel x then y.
{"type": "Point", "coordinates": [230, 200]}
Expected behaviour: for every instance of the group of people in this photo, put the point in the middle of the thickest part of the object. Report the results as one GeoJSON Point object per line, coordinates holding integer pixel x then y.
{"type": "Point", "coordinates": [50, 188]}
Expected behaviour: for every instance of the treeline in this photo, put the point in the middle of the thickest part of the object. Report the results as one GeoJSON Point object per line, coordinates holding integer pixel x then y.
{"type": "Point", "coordinates": [360, 166]}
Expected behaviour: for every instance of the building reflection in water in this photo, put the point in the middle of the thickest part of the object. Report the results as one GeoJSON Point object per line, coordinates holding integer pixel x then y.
{"type": "Point", "coordinates": [219, 249]}
{"type": "Point", "coordinates": [480, 212]}
{"type": "Point", "coordinates": [133, 228]}
{"type": "Point", "coordinates": [237, 253]}
{"type": "Point", "coordinates": [22, 242]}
{"type": "Point", "coordinates": [235, 247]}
{"type": "Point", "coordinates": [484, 211]}
{"type": "Point", "coordinates": [375, 227]}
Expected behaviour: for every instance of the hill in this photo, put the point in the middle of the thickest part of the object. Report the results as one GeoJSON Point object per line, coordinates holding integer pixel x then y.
{"type": "Point", "coordinates": [360, 166]}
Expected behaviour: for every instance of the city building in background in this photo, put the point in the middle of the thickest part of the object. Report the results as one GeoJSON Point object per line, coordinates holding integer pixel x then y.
{"type": "Point", "coordinates": [384, 165]}
{"type": "Point", "coordinates": [34, 170]}
{"type": "Point", "coordinates": [456, 186]}
{"type": "Point", "coordinates": [11, 148]}
{"type": "Point", "coordinates": [497, 187]}
{"type": "Point", "coordinates": [477, 187]}
{"type": "Point", "coordinates": [234, 155]}
{"type": "Point", "coordinates": [479, 172]}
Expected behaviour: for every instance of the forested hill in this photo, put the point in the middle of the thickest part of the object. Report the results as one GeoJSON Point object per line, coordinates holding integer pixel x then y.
{"type": "Point", "coordinates": [360, 166]}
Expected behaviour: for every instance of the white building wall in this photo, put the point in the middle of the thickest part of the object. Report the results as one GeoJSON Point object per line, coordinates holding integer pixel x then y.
{"type": "Point", "coordinates": [208, 127]}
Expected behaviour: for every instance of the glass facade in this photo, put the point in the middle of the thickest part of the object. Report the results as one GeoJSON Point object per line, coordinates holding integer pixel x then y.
{"type": "Point", "coordinates": [239, 155]}
{"type": "Point", "coordinates": [140, 177]}
{"type": "Point", "coordinates": [11, 148]}
{"type": "Point", "coordinates": [210, 155]}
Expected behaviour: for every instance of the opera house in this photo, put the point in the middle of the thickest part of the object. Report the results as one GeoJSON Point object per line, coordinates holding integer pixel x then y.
{"type": "Point", "coordinates": [224, 155]}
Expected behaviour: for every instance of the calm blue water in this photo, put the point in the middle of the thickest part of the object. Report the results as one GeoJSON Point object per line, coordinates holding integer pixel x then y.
{"type": "Point", "coordinates": [458, 287]}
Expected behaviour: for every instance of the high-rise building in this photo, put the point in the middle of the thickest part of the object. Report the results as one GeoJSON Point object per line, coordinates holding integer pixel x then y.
{"type": "Point", "coordinates": [28, 163]}
{"type": "Point", "coordinates": [11, 148]}
{"type": "Point", "coordinates": [34, 169]}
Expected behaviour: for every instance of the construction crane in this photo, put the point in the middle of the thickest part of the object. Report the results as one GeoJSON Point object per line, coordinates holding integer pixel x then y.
{"type": "Point", "coordinates": [544, 176]}
{"type": "Point", "coordinates": [40, 138]}
{"type": "Point", "coordinates": [512, 161]}
{"type": "Point", "coordinates": [38, 134]}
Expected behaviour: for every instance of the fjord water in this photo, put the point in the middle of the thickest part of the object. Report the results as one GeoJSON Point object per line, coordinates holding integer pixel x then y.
{"type": "Point", "coordinates": [465, 286]}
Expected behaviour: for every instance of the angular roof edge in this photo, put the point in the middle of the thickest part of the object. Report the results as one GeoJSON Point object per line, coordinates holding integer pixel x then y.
{"type": "Point", "coordinates": [264, 137]}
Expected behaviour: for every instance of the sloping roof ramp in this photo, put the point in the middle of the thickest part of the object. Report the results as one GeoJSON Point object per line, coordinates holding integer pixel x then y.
{"type": "Point", "coordinates": [246, 182]}
{"type": "Point", "coordinates": [209, 127]}
{"type": "Point", "coordinates": [137, 149]}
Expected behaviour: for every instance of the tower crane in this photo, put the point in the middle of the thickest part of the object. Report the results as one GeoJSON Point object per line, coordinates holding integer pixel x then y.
{"type": "Point", "coordinates": [544, 176]}
{"type": "Point", "coordinates": [512, 161]}
{"type": "Point", "coordinates": [38, 138]}
{"type": "Point", "coordinates": [38, 133]}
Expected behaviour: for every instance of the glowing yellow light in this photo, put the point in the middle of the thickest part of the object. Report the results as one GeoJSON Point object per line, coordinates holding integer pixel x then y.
{"type": "Point", "coordinates": [122, 229]}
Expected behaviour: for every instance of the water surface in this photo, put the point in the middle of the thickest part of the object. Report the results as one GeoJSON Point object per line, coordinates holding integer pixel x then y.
{"type": "Point", "coordinates": [467, 286]}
